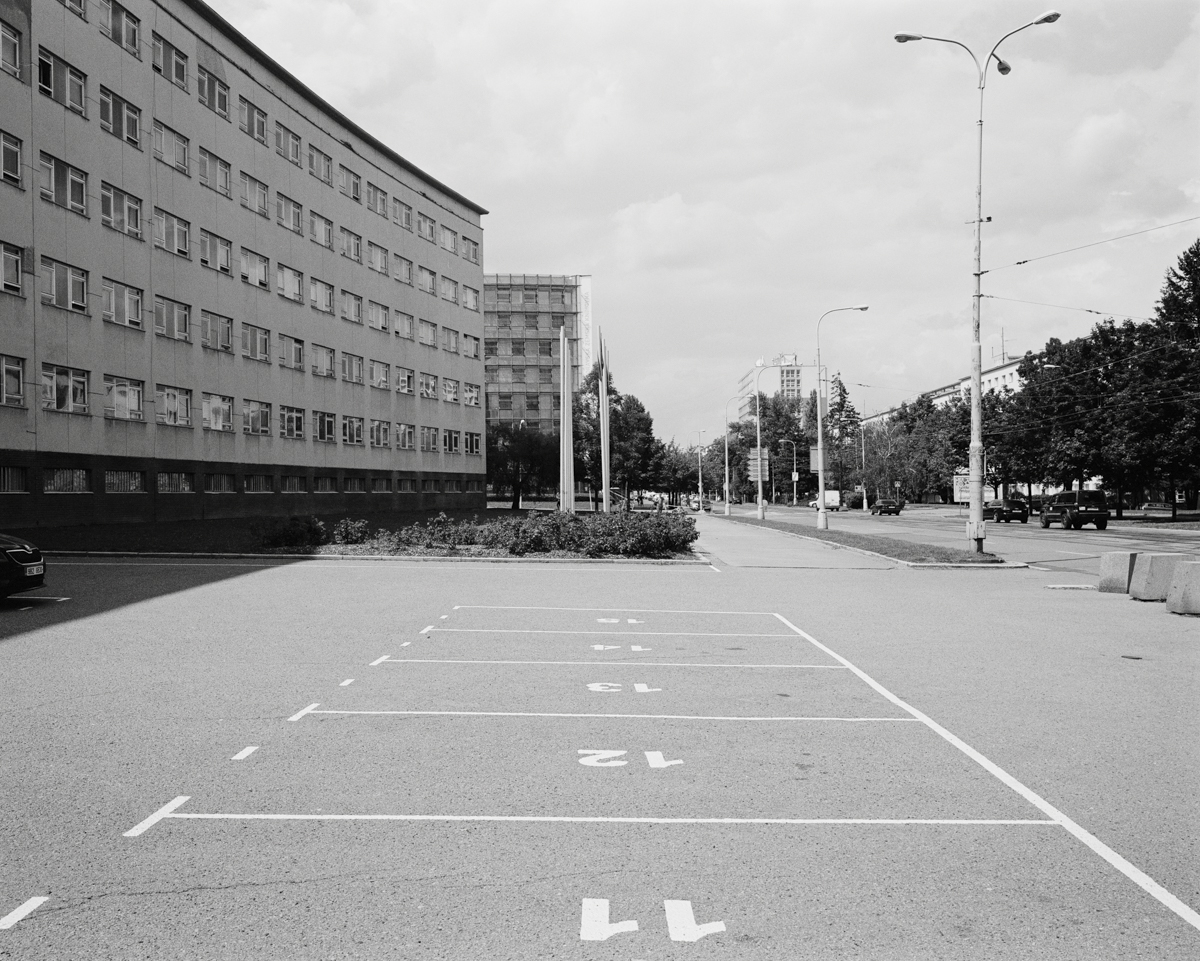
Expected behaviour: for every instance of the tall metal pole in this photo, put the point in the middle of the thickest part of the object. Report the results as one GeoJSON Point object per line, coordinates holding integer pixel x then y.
{"type": "Point", "coordinates": [605, 439]}
{"type": "Point", "coordinates": [699, 469]}
{"type": "Point", "coordinates": [793, 443]}
{"type": "Point", "coordinates": [727, 403]}
{"type": "Point", "coordinates": [862, 433]}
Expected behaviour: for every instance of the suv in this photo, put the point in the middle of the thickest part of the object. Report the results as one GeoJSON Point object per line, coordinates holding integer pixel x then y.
{"type": "Point", "coordinates": [1006, 510]}
{"type": "Point", "coordinates": [1076, 508]}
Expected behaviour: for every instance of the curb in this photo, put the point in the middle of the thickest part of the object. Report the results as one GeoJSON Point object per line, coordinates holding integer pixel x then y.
{"type": "Point", "coordinates": [531, 559]}
{"type": "Point", "coordinates": [927, 565]}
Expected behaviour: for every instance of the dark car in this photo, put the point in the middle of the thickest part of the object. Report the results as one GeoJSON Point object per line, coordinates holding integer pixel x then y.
{"type": "Point", "coordinates": [1075, 508]}
{"type": "Point", "coordinates": [1006, 510]}
{"type": "Point", "coordinates": [886, 507]}
{"type": "Point", "coordinates": [21, 566]}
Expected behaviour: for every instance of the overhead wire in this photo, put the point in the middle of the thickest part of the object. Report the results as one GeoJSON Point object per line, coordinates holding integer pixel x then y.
{"type": "Point", "coordinates": [1109, 240]}
{"type": "Point", "coordinates": [1086, 310]}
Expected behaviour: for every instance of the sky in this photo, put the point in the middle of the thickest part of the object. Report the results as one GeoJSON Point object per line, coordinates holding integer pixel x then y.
{"type": "Point", "coordinates": [727, 172]}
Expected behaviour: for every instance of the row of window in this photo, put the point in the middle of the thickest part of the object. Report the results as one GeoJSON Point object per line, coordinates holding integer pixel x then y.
{"type": "Point", "coordinates": [78, 480]}
{"type": "Point", "coordinates": [68, 85]}
{"type": "Point", "coordinates": [67, 186]}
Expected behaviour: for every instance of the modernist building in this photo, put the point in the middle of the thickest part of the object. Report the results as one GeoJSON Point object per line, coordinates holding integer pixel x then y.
{"type": "Point", "coordinates": [994, 378]}
{"type": "Point", "coordinates": [523, 314]}
{"type": "Point", "coordinates": [782, 378]}
{"type": "Point", "coordinates": [217, 284]}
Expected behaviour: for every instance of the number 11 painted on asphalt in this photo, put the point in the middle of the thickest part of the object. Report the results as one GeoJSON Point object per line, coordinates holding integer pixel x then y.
{"type": "Point", "coordinates": [681, 922]}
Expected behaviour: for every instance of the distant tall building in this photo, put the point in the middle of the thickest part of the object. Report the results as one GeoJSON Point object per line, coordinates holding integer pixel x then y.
{"type": "Point", "coordinates": [783, 380]}
{"type": "Point", "coordinates": [523, 314]}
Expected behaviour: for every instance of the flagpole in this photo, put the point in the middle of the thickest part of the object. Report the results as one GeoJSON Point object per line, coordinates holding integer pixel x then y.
{"type": "Point", "coordinates": [566, 484]}
{"type": "Point", "coordinates": [605, 459]}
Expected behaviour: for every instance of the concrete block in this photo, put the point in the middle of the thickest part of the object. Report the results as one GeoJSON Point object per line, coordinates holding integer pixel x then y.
{"type": "Point", "coordinates": [1183, 596]}
{"type": "Point", "coordinates": [1116, 571]}
{"type": "Point", "coordinates": [1152, 575]}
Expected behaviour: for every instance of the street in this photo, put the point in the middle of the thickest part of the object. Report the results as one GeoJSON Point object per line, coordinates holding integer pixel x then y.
{"type": "Point", "coordinates": [789, 751]}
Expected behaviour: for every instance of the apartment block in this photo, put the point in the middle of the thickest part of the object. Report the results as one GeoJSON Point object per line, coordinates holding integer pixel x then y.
{"type": "Point", "coordinates": [782, 377]}
{"type": "Point", "coordinates": [523, 314]}
{"type": "Point", "coordinates": [214, 283]}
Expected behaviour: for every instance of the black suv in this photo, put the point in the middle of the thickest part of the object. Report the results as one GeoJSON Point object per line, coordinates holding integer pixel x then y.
{"type": "Point", "coordinates": [1006, 510]}
{"type": "Point", "coordinates": [1076, 508]}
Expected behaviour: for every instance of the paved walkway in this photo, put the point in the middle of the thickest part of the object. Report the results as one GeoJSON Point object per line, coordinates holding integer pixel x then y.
{"type": "Point", "coordinates": [740, 545]}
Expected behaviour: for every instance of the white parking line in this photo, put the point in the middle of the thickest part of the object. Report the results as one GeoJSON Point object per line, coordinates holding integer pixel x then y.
{"type": "Point", "coordinates": [609, 820]}
{"type": "Point", "coordinates": [602, 610]}
{"type": "Point", "coordinates": [484, 630]}
{"type": "Point", "coordinates": [157, 816]}
{"type": "Point", "coordinates": [347, 682]}
{"type": "Point", "coordinates": [644, 717]}
{"type": "Point", "coordinates": [23, 911]}
{"type": "Point", "coordinates": [1140, 878]}
{"type": "Point", "coordinates": [307, 710]}
{"type": "Point", "coordinates": [244, 753]}
{"type": "Point", "coordinates": [379, 660]}
{"type": "Point", "coordinates": [416, 660]}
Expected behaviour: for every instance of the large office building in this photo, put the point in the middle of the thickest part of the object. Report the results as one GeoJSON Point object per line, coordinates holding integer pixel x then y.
{"type": "Point", "coordinates": [523, 315]}
{"type": "Point", "coordinates": [997, 378]}
{"type": "Point", "coordinates": [781, 377]}
{"type": "Point", "coordinates": [221, 297]}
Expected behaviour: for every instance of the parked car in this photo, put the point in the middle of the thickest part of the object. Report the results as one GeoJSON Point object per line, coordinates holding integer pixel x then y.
{"type": "Point", "coordinates": [1075, 508]}
{"type": "Point", "coordinates": [22, 567]}
{"type": "Point", "coordinates": [886, 507]}
{"type": "Point", "coordinates": [1006, 510]}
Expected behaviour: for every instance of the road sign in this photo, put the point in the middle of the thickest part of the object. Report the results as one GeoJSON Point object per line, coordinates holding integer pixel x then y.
{"type": "Point", "coordinates": [795, 476]}
{"type": "Point", "coordinates": [813, 467]}
{"type": "Point", "coordinates": [754, 452]}
{"type": "Point", "coordinates": [896, 484]}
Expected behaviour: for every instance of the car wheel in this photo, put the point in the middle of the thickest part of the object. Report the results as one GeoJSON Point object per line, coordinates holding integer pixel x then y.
{"type": "Point", "coordinates": [1045, 522]}
{"type": "Point", "coordinates": [1077, 525]}
{"type": "Point", "coordinates": [1024, 520]}
{"type": "Point", "coordinates": [1100, 525]}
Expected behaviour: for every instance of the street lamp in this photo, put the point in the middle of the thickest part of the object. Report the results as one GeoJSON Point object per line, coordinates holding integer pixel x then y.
{"type": "Point", "coordinates": [784, 440]}
{"type": "Point", "coordinates": [975, 525]}
{"type": "Point", "coordinates": [727, 403]}
{"type": "Point", "coordinates": [699, 469]}
{"type": "Point", "coordinates": [822, 519]}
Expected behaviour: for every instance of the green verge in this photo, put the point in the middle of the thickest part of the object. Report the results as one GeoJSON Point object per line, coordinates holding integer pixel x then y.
{"type": "Point", "coordinates": [892, 547]}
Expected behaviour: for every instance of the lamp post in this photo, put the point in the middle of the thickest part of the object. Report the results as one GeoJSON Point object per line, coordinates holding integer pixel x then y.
{"type": "Point", "coordinates": [793, 443]}
{"type": "Point", "coordinates": [822, 518]}
{"type": "Point", "coordinates": [975, 525]}
{"type": "Point", "coordinates": [700, 469]}
{"type": "Point", "coordinates": [727, 403]}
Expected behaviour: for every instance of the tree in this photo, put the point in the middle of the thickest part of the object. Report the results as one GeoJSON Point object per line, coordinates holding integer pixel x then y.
{"type": "Point", "coordinates": [520, 460]}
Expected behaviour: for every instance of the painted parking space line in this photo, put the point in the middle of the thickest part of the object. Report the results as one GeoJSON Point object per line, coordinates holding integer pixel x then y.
{"type": "Point", "coordinates": [646, 717]}
{"type": "Point", "coordinates": [307, 710]}
{"type": "Point", "coordinates": [1135, 874]}
{"type": "Point", "coordinates": [604, 610]}
{"type": "Point", "coordinates": [165, 811]}
{"type": "Point", "coordinates": [244, 753]}
{"type": "Point", "coordinates": [347, 682]}
{"type": "Point", "coordinates": [418, 660]}
{"type": "Point", "coordinates": [485, 630]}
{"type": "Point", "coordinates": [9, 920]}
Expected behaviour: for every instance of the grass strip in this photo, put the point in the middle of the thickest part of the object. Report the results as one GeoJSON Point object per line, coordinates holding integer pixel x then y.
{"type": "Point", "coordinates": [893, 547]}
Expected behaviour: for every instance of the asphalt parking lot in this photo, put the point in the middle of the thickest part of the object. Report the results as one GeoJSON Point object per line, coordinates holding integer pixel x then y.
{"type": "Point", "coordinates": [794, 751]}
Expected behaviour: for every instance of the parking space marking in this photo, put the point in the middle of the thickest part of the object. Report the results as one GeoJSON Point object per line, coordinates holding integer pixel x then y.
{"type": "Point", "coordinates": [1135, 874]}
{"type": "Point", "coordinates": [379, 660]}
{"type": "Point", "coordinates": [429, 628]}
{"type": "Point", "coordinates": [507, 630]}
{"type": "Point", "coordinates": [611, 610]}
{"type": "Point", "coordinates": [647, 717]}
{"type": "Point", "coordinates": [23, 911]}
{"type": "Point", "coordinates": [244, 753]}
{"type": "Point", "coordinates": [421, 660]}
{"type": "Point", "coordinates": [307, 710]}
{"type": "Point", "coordinates": [347, 682]}
{"type": "Point", "coordinates": [163, 812]}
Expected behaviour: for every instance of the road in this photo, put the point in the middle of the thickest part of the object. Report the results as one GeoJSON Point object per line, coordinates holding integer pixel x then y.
{"type": "Point", "coordinates": [793, 751]}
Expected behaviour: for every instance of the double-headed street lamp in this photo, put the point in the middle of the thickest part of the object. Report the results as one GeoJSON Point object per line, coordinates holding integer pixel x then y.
{"type": "Point", "coordinates": [822, 518]}
{"type": "Point", "coordinates": [975, 525]}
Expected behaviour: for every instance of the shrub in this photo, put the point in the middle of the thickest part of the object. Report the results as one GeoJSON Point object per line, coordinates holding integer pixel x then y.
{"type": "Point", "coordinates": [347, 531]}
{"type": "Point", "coordinates": [294, 532]}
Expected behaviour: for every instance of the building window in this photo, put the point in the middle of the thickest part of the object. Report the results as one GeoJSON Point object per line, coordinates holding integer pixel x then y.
{"type": "Point", "coordinates": [293, 483]}
{"type": "Point", "coordinates": [545, 348]}
{"type": "Point", "coordinates": [351, 307]}
{"type": "Point", "coordinates": [352, 430]}
{"type": "Point", "coordinates": [217, 412]}
{"type": "Point", "coordinates": [532, 404]}
{"type": "Point", "coordinates": [63, 184]}
{"type": "Point", "coordinates": [453, 485]}
{"type": "Point", "coordinates": [256, 417]}
{"type": "Point", "coordinates": [350, 184]}
{"type": "Point", "coordinates": [470, 347]}
{"type": "Point", "coordinates": [291, 352]}
{"type": "Point", "coordinates": [214, 93]}
{"type": "Point", "coordinates": [471, 395]}
{"type": "Point", "coordinates": [379, 375]}
{"type": "Point", "coordinates": [324, 427]}
{"type": "Point", "coordinates": [220, 484]}
{"type": "Point", "coordinates": [381, 433]}
{"type": "Point", "coordinates": [427, 281]}
{"type": "Point", "coordinates": [402, 213]}
{"type": "Point", "coordinates": [377, 316]}
{"type": "Point", "coordinates": [380, 485]}
{"type": "Point", "coordinates": [289, 213]}
{"type": "Point", "coordinates": [122, 398]}
{"type": "Point", "coordinates": [404, 270]}
{"type": "Point", "coordinates": [470, 298]}
{"type": "Point", "coordinates": [377, 200]}
{"type": "Point", "coordinates": [215, 173]}
{"type": "Point", "coordinates": [256, 343]}
{"type": "Point", "coordinates": [429, 386]}
{"type": "Point", "coordinates": [377, 258]}
{"type": "Point", "coordinates": [405, 380]}
{"type": "Point", "coordinates": [517, 348]}
{"type": "Point", "coordinates": [450, 340]}
{"type": "Point", "coordinates": [429, 439]}
{"type": "Point", "coordinates": [256, 195]}
{"type": "Point", "coordinates": [170, 147]}
{"type": "Point", "coordinates": [320, 229]}
{"type": "Point", "coordinates": [260, 484]}
{"type": "Point", "coordinates": [449, 390]}
{"type": "Point", "coordinates": [170, 62]}
{"type": "Point", "coordinates": [171, 318]}
{"type": "Point", "coordinates": [406, 437]}
{"type": "Point", "coordinates": [320, 295]}
{"type": "Point", "coordinates": [216, 252]}
{"type": "Point", "coordinates": [351, 245]}
{"type": "Point", "coordinates": [64, 286]}
{"type": "Point", "coordinates": [12, 381]}
{"type": "Point", "coordinates": [489, 348]}
{"type": "Point", "coordinates": [173, 482]}
{"type": "Point", "coordinates": [287, 144]}
{"type": "Point", "coordinates": [473, 443]}
{"type": "Point", "coordinates": [325, 485]}
{"type": "Point", "coordinates": [291, 423]}
{"type": "Point", "coordinates": [449, 290]}
{"type": "Point", "coordinates": [324, 361]}
{"type": "Point", "coordinates": [504, 402]}
{"type": "Point", "coordinates": [10, 50]}
{"type": "Point", "coordinates": [120, 118]}
{"type": "Point", "coordinates": [120, 210]}
{"type": "Point", "coordinates": [448, 239]}
{"type": "Point", "coordinates": [216, 332]}
{"type": "Point", "coordinates": [426, 227]}
{"type": "Point", "coordinates": [122, 304]}
{"type": "Point", "coordinates": [289, 283]}
{"type": "Point", "coordinates": [356, 485]}
{"type": "Point", "coordinates": [428, 333]}
{"type": "Point", "coordinates": [11, 167]}
{"type": "Point", "coordinates": [352, 368]}
{"type": "Point", "coordinates": [405, 325]}
{"type": "Point", "coordinates": [66, 480]}
{"type": "Point", "coordinates": [320, 165]}
{"type": "Point", "coordinates": [172, 405]}
{"type": "Point", "coordinates": [255, 269]}
{"type": "Point", "coordinates": [61, 82]}
{"type": "Point", "coordinates": [171, 233]}
{"type": "Point", "coordinates": [470, 250]}
{"type": "Point", "coordinates": [252, 120]}
{"type": "Point", "coordinates": [14, 480]}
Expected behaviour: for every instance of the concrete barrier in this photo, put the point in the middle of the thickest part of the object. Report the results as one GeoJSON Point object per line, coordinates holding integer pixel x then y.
{"type": "Point", "coordinates": [1116, 571]}
{"type": "Point", "coordinates": [1183, 596]}
{"type": "Point", "coordinates": [1152, 575]}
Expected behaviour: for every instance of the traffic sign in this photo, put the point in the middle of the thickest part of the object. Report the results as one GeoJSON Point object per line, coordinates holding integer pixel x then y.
{"type": "Point", "coordinates": [795, 476]}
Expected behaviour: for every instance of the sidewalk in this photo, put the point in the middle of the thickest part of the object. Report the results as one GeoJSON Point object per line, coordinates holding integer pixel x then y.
{"type": "Point", "coordinates": [740, 545]}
